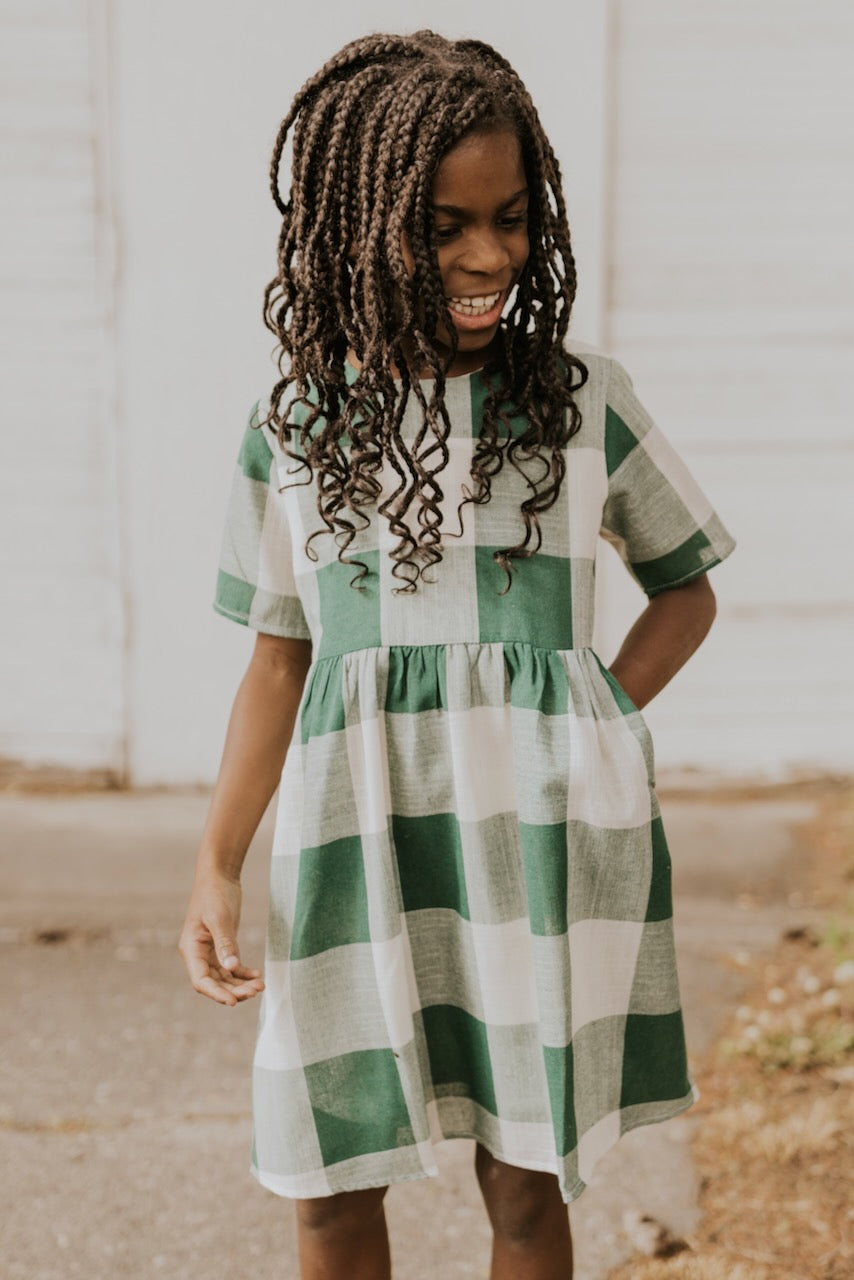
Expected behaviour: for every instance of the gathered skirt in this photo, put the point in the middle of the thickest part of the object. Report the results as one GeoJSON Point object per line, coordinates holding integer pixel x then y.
{"type": "Point", "coordinates": [470, 929]}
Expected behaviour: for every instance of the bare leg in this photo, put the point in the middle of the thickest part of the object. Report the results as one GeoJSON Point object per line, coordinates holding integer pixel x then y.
{"type": "Point", "coordinates": [529, 1220]}
{"type": "Point", "coordinates": [344, 1237]}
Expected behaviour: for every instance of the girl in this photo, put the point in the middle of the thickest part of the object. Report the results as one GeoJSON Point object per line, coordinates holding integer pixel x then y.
{"type": "Point", "coordinates": [470, 929]}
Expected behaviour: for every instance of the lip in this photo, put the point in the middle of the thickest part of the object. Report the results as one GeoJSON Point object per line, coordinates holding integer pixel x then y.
{"type": "Point", "coordinates": [485, 321]}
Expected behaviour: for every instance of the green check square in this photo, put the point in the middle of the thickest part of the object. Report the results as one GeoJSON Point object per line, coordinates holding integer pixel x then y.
{"type": "Point", "coordinates": [686, 560]}
{"type": "Point", "coordinates": [358, 1105]}
{"type": "Point", "coordinates": [417, 678]}
{"type": "Point", "coordinates": [255, 454]}
{"type": "Point", "coordinates": [331, 901]}
{"type": "Point", "coordinates": [545, 865]}
{"type": "Point", "coordinates": [660, 904]}
{"type": "Point", "coordinates": [519, 614]}
{"type": "Point", "coordinates": [538, 680]}
{"type": "Point", "coordinates": [233, 596]}
{"type": "Point", "coordinates": [619, 440]}
{"type": "Point", "coordinates": [655, 1067]}
{"type": "Point", "coordinates": [458, 1048]}
{"type": "Point", "coordinates": [349, 615]}
{"type": "Point", "coordinates": [561, 1078]}
{"type": "Point", "coordinates": [430, 860]}
{"type": "Point", "coordinates": [323, 701]}
{"type": "Point", "coordinates": [480, 391]}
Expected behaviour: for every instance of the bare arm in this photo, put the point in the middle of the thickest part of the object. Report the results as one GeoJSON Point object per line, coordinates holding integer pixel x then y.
{"type": "Point", "coordinates": [669, 630]}
{"type": "Point", "coordinates": [259, 733]}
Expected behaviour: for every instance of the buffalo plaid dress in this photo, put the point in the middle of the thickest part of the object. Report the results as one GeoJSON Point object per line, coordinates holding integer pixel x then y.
{"type": "Point", "coordinates": [470, 929]}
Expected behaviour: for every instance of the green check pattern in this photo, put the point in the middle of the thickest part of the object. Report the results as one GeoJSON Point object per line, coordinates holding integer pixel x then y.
{"type": "Point", "coordinates": [470, 930]}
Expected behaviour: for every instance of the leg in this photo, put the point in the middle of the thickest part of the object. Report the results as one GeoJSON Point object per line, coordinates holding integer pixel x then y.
{"type": "Point", "coordinates": [344, 1237]}
{"type": "Point", "coordinates": [529, 1220]}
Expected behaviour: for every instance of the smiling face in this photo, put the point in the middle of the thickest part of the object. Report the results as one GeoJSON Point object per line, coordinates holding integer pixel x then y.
{"type": "Point", "coordinates": [480, 202]}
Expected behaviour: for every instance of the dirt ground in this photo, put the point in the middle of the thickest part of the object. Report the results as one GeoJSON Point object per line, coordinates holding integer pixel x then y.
{"type": "Point", "coordinates": [124, 1098]}
{"type": "Point", "coordinates": [775, 1139]}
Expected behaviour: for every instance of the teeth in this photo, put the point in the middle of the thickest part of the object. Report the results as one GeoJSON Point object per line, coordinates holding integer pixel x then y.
{"type": "Point", "coordinates": [474, 306]}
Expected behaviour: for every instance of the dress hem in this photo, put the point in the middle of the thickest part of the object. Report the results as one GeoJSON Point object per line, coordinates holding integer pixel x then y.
{"type": "Point", "coordinates": [572, 1193]}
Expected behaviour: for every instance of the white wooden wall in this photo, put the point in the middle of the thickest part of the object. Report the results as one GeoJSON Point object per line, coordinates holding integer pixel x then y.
{"type": "Point", "coordinates": [706, 148]}
{"type": "Point", "coordinates": [62, 639]}
{"type": "Point", "coordinates": [731, 301]}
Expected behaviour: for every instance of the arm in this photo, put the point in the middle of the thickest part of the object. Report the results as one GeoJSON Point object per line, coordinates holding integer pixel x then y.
{"type": "Point", "coordinates": [259, 733]}
{"type": "Point", "coordinates": [670, 629]}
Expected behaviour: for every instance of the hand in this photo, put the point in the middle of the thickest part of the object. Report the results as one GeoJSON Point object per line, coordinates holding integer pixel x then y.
{"type": "Point", "coordinates": [208, 943]}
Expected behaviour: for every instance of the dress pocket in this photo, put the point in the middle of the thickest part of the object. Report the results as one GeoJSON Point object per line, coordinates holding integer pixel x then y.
{"type": "Point", "coordinates": [621, 698]}
{"type": "Point", "coordinates": [634, 718]}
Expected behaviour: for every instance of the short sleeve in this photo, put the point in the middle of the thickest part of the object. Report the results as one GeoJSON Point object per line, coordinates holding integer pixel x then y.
{"type": "Point", "coordinates": [255, 583]}
{"type": "Point", "coordinates": [656, 515]}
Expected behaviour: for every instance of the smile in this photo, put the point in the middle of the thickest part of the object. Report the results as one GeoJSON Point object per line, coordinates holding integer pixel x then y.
{"type": "Point", "coordinates": [479, 306]}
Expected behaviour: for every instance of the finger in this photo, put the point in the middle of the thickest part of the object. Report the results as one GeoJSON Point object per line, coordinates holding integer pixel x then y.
{"type": "Point", "coordinates": [245, 990]}
{"type": "Point", "coordinates": [239, 990]}
{"type": "Point", "coordinates": [231, 980]}
{"type": "Point", "coordinates": [240, 971]}
{"type": "Point", "coordinates": [208, 986]}
{"type": "Point", "coordinates": [227, 952]}
{"type": "Point", "coordinates": [205, 974]}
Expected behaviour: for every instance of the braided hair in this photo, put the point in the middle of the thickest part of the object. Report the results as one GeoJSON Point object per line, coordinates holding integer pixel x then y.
{"type": "Point", "coordinates": [368, 133]}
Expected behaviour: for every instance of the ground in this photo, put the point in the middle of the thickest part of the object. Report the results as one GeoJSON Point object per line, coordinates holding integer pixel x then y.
{"type": "Point", "coordinates": [775, 1141]}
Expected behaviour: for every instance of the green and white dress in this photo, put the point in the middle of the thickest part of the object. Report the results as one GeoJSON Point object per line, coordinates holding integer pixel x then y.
{"type": "Point", "coordinates": [470, 930]}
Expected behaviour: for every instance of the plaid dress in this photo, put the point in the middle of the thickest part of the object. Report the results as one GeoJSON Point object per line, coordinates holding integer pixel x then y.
{"type": "Point", "coordinates": [470, 929]}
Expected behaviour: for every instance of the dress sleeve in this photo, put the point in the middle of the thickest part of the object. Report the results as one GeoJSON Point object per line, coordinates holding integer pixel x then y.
{"type": "Point", "coordinates": [656, 515]}
{"type": "Point", "coordinates": [255, 584]}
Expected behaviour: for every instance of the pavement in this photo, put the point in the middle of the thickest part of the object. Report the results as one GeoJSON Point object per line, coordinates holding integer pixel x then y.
{"type": "Point", "coordinates": [124, 1096]}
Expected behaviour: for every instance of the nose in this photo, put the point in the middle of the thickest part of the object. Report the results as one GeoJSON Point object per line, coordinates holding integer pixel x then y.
{"type": "Point", "coordinates": [485, 254]}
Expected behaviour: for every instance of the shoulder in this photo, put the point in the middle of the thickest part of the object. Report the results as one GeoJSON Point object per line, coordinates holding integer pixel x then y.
{"type": "Point", "coordinates": [256, 447]}
{"type": "Point", "coordinates": [603, 369]}
{"type": "Point", "coordinates": [611, 390]}
{"type": "Point", "coordinates": [260, 448]}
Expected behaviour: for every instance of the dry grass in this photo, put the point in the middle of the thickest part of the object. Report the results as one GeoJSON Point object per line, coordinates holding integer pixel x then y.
{"type": "Point", "coordinates": [775, 1143]}
{"type": "Point", "coordinates": [688, 1266]}
{"type": "Point", "coordinates": [813, 1127]}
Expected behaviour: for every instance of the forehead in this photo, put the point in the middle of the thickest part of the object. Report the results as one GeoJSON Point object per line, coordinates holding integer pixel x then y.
{"type": "Point", "coordinates": [480, 164]}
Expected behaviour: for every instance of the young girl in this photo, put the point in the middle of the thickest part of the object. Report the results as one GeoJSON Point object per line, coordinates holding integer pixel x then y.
{"type": "Point", "coordinates": [470, 928]}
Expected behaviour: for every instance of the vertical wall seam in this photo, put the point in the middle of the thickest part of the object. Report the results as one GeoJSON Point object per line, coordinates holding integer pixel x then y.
{"type": "Point", "coordinates": [609, 168]}
{"type": "Point", "coordinates": [103, 85]}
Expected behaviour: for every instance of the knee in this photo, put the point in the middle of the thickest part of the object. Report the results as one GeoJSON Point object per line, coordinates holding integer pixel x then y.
{"type": "Point", "coordinates": [518, 1201]}
{"type": "Point", "coordinates": [341, 1214]}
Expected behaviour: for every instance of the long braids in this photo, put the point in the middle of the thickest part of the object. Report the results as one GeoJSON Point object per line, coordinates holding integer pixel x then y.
{"type": "Point", "coordinates": [368, 133]}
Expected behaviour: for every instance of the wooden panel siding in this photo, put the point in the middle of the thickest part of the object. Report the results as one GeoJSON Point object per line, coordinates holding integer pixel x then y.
{"type": "Point", "coordinates": [731, 302]}
{"type": "Point", "coordinates": [62, 643]}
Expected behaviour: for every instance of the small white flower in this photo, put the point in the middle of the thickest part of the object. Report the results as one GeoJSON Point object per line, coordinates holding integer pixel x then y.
{"type": "Point", "coordinates": [831, 998]}
{"type": "Point", "coordinates": [744, 1013]}
{"type": "Point", "coordinates": [810, 984]}
{"type": "Point", "coordinates": [844, 972]}
{"type": "Point", "coordinates": [776, 995]}
{"type": "Point", "coordinates": [751, 1034]}
{"type": "Point", "coordinates": [801, 1044]}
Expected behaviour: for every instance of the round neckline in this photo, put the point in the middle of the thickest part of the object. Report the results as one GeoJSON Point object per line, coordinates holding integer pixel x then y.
{"type": "Point", "coordinates": [351, 373]}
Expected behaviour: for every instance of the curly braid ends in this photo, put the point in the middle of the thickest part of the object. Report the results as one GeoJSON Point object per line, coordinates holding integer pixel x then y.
{"type": "Point", "coordinates": [368, 133]}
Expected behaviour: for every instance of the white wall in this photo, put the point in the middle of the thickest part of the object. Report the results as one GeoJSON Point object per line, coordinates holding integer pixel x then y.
{"type": "Point", "coordinates": [706, 152]}
{"type": "Point", "coordinates": [62, 643]}
{"type": "Point", "coordinates": [731, 300]}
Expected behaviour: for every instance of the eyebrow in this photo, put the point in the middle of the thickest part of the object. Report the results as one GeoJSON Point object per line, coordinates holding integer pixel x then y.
{"type": "Point", "coordinates": [456, 212]}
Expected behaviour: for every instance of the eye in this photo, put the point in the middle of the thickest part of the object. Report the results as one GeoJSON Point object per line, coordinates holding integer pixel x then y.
{"type": "Point", "coordinates": [446, 233]}
{"type": "Point", "coordinates": [513, 220]}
